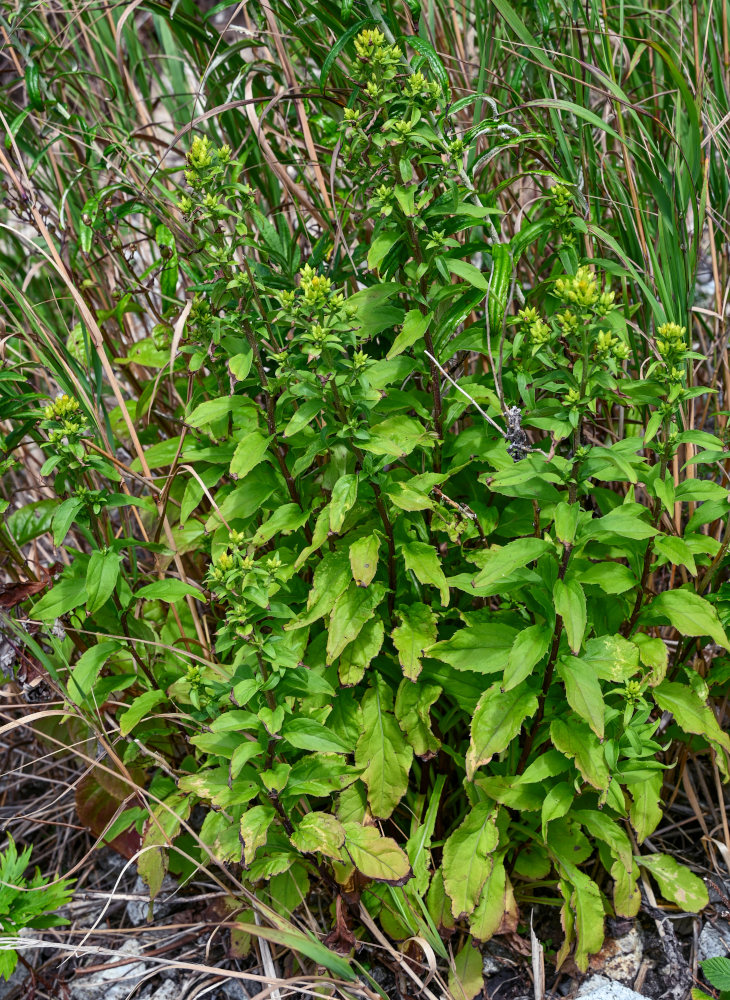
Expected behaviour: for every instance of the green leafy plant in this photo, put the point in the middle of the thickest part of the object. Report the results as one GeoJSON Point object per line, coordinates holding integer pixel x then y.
{"type": "Point", "coordinates": [717, 973]}
{"type": "Point", "coordinates": [388, 526]}
{"type": "Point", "coordinates": [26, 901]}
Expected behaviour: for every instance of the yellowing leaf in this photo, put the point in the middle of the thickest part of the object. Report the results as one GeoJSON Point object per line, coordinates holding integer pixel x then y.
{"type": "Point", "coordinates": [254, 829]}
{"type": "Point", "coordinates": [319, 831]}
{"type": "Point", "coordinates": [497, 719]}
{"type": "Point", "coordinates": [364, 558]}
{"type": "Point", "coordinates": [467, 859]}
{"type": "Point", "coordinates": [375, 856]}
{"type": "Point", "coordinates": [677, 883]}
{"type": "Point", "coordinates": [466, 978]}
{"type": "Point", "coordinates": [382, 752]}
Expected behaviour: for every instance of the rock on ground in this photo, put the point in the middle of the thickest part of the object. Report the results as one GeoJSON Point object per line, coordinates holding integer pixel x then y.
{"type": "Point", "coordinates": [714, 941]}
{"type": "Point", "coordinates": [115, 983]}
{"type": "Point", "coordinates": [600, 988]}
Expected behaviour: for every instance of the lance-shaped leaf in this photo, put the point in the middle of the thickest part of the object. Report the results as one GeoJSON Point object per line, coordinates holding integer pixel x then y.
{"type": "Point", "coordinates": [576, 741]}
{"type": "Point", "coordinates": [646, 812]}
{"type": "Point", "coordinates": [483, 648]}
{"type": "Point", "coordinates": [503, 561]}
{"type": "Point", "coordinates": [344, 495]}
{"type": "Point", "coordinates": [497, 719]}
{"type": "Point", "coordinates": [689, 613]}
{"type": "Point", "coordinates": [583, 692]}
{"type": "Point", "coordinates": [413, 712]}
{"type": "Point", "coordinates": [497, 895]}
{"type": "Point", "coordinates": [413, 636]}
{"type": "Point", "coordinates": [467, 859]}
{"type": "Point", "coordinates": [691, 713]}
{"type": "Point", "coordinates": [423, 560]}
{"type": "Point", "coordinates": [353, 608]}
{"type": "Point", "coordinates": [375, 856]}
{"type": "Point", "coordinates": [331, 578]}
{"type": "Point", "coordinates": [382, 752]}
{"type": "Point", "coordinates": [570, 604]}
{"type": "Point", "coordinates": [255, 825]}
{"type": "Point", "coordinates": [355, 658]}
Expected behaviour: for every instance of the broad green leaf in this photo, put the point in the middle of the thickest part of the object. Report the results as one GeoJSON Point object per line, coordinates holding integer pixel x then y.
{"type": "Point", "coordinates": [382, 753]}
{"type": "Point", "coordinates": [375, 856]}
{"type": "Point", "coordinates": [413, 711]}
{"type": "Point", "coordinates": [497, 720]}
{"type": "Point", "coordinates": [717, 972]}
{"type": "Point", "coordinates": [352, 610]}
{"type": "Point", "coordinates": [690, 614]}
{"type": "Point", "coordinates": [396, 437]}
{"type": "Point", "coordinates": [64, 517]}
{"type": "Point", "coordinates": [676, 882]}
{"type": "Point", "coordinates": [472, 275]}
{"type": "Point", "coordinates": [653, 653]}
{"type": "Point", "coordinates": [101, 578]}
{"type": "Point", "coordinates": [586, 903]}
{"type": "Point", "coordinates": [302, 416]}
{"type": "Point", "coordinates": [583, 692]}
{"type": "Point", "coordinates": [169, 590]}
{"type": "Point", "coordinates": [676, 551]}
{"type": "Point", "coordinates": [502, 561]}
{"type": "Point", "coordinates": [484, 648]}
{"type": "Point", "coordinates": [466, 978]}
{"type": "Point", "coordinates": [355, 658]}
{"type": "Point", "coordinates": [413, 636]}
{"type": "Point", "coordinates": [691, 713]}
{"type": "Point", "coordinates": [646, 811]}
{"type": "Point", "coordinates": [570, 604]}
{"type": "Point", "coordinates": [557, 803]}
{"type": "Point", "coordinates": [627, 521]}
{"type": "Point", "coordinates": [415, 325]}
{"type": "Point", "coordinates": [423, 560]}
{"type": "Point", "coordinates": [611, 577]}
{"type": "Point", "coordinates": [467, 859]}
{"type": "Point", "coordinates": [64, 596]}
{"type": "Point", "coordinates": [140, 707]}
{"type": "Point", "coordinates": [529, 647]}
{"type": "Point", "coordinates": [250, 450]}
{"type": "Point", "coordinates": [331, 578]}
{"type": "Point", "coordinates": [610, 657]}
{"type": "Point", "coordinates": [283, 521]}
{"type": "Point", "coordinates": [344, 495]}
{"type": "Point", "coordinates": [87, 669]}
{"type": "Point", "coordinates": [308, 734]}
{"type": "Point", "coordinates": [576, 741]}
{"type": "Point", "coordinates": [319, 831]}
{"type": "Point", "coordinates": [364, 558]}
{"type": "Point", "coordinates": [254, 829]}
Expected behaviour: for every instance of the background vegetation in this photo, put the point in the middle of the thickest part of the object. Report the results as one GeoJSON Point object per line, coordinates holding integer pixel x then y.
{"type": "Point", "coordinates": [364, 399]}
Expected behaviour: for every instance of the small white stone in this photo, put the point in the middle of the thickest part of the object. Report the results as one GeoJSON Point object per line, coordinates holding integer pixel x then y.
{"type": "Point", "coordinates": [600, 988]}
{"type": "Point", "coordinates": [115, 983]}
